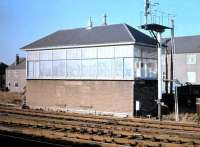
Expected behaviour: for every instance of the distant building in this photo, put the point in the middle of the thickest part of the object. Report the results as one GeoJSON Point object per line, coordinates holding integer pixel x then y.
{"type": "Point", "coordinates": [16, 75]}
{"type": "Point", "coordinates": [102, 69]}
{"type": "Point", "coordinates": [3, 67]}
{"type": "Point", "coordinates": [186, 59]}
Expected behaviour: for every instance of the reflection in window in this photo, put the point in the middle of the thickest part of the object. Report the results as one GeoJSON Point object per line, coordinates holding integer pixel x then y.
{"type": "Point", "coordinates": [73, 68]}
{"type": "Point", "coordinates": [105, 68]}
{"type": "Point", "coordinates": [33, 69]}
{"type": "Point", "coordinates": [36, 69]}
{"type": "Point", "coordinates": [89, 53]}
{"type": "Point", "coordinates": [128, 68]}
{"type": "Point", "coordinates": [30, 69]}
{"type": "Point", "coordinates": [89, 68]}
{"type": "Point", "coordinates": [45, 69]}
{"type": "Point", "coordinates": [59, 68]}
{"type": "Point", "coordinates": [33, 55]}
{"type": "Point", "coordinates": [46, 55]}
{"type": "Point", "coordinates": [137, 52]}
{"type": "Point", "coordinates": [118, 68]}
{"type": "Point", "coordinates": [105, 52]}
{"type": "Point", "coordinates": [111, 62]}
{"type": "Point", "coordinates": [137, 67]}
{"type": "Point", "coordinates": [59, 54]}
{"type": "Point", "coordinates": [73, 53]}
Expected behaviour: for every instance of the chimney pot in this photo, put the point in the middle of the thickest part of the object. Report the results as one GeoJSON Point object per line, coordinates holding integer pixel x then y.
{"type": "Point", "coordinates": [17, 59]}
{"type": "Point", "coordinates": [105, 19]}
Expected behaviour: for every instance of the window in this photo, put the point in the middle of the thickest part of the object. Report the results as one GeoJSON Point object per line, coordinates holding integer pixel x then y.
{"type": "Point", "coordinates": [73, 53]}
{"type": "Point", "coordinates": [191, 58]}
{"type": "Point", "coordinates": [124, 51]}
{"type": "Point", "coordinates": [105, 52]}
{"type": "Point", "coordinates": [59, 54]}
{"type": "Point", "coordinates": [30, 69]}
{"type": "Point", "coordinates": [191, 77]}
{"type": "Point", "coordinates": [16, 84]}
{"type": "Point", "coordinates": [128, 68]}
{"type": "Point", "coordinates": [73, 68]}
{"type": "Point", "coordinates": [149, 53]}
{"type": "Point", "coordinates": [118, 68]}
{"type": "Point", "coordinates": [33, 69]}
{"type": "Point", "coordinates": [105, 68]}
{"type": "Point", "coordinates": [137, 67]}
{"type": "Point", "coordinates": [89, 68]}
{"type": "Point", "coordinates": [59, 68]}
{"type": "Point", "coordinates": [137, 52]}
{"type": "Point", "coordinates": [107, 62]}
{"type": "Point", "coordinates": [46, 55]}
{"type": "Point", "coordinates": [88, 53]}
{"type": "Point", "coordinates": [33, 55]}
{"type": "Point", "coordinates": [45, 69]}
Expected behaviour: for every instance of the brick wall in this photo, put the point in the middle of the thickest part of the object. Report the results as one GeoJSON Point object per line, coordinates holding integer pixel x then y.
{"type": "Point", "coordinates": [104, 96]}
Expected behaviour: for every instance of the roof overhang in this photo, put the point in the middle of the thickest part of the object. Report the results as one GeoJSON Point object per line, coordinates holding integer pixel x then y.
{"type": "Point", "coordinates": [90, 45]}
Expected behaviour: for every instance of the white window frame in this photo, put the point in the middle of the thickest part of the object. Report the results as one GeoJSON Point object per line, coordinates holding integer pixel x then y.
{"type": "Point", "coordinates": [191, 59]}
{"type": "Point", "coordinates": [191, 77]}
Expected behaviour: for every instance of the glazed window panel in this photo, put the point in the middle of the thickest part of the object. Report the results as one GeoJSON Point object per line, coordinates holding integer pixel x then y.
{"type": "Point", "coordinates": [36, 69]}
{"type": "Point", "coordinates": [128, 68]}
{"type": "Point", "coordinates": [59, 68]}
{"type": "Point", "coordinates": [33, 55]}
{"type": "Point", "coordinates": [118, 68]}
{"type": "Point", "coordinates": [73, 68]}
{"type": "Point", "coordinates": [45, 69]}
{"type": "Point", "coordinates": [46, 55]}
{"type": "Point", "coordinates": [89, 68]}
{"type": "Point", "coordinates": [105, 68]}
{"type": "Point", "coordinates": [88, 53]}
{"type": "Point", "coordinates": [59, 54]}
{"type": "Point", "coordinates": [137, 52]}
{"type": "Point", "coordinates": [73, 53]}
{"type": "Point", "coordinates": [137, 67]}
{"type": "Point", "coordinates": [105, 52]}
{"type": "Point", "coordinates": [124, 51]}
{"type": "Point", "coordinates": [30, 69]}
{"type": "Point", "coordinates": [149, 53]}
{"type": "Point", "coordinates": [191, 59]}
{"type": "Point", "coordinates": [152, 65]}
{"type": "Point", "coordinates": [191, 77]}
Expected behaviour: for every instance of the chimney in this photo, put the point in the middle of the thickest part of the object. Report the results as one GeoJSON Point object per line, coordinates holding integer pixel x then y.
{"type": "Point", "coordinates": [104, 20]}
{"type": "Point", "coordinates": [17, 59]}
{"type": "Point", "coordinates": [90, 23]}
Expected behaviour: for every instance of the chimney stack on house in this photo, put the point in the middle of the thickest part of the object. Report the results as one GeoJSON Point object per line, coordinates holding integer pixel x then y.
{"type": "Point", "coordinates": [104, 19]}
{"type": "Point", "coordinates": [90, 23]}
{"type": "Point", "coordinates": [17, 59]}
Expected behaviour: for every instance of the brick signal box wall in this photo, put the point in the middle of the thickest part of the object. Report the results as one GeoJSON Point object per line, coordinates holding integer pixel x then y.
{"type": "Point", "coordinates": [106, 97]}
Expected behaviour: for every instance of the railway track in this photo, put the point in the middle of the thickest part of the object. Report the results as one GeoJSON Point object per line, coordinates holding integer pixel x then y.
{"type": "Point", "coordinates": [99, 130]}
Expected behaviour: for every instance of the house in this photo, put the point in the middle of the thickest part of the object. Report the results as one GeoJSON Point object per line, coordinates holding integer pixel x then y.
{"type": "Point", "coordinates": [3, 67]}
{"type": "Point", "coordinates": [16, 75]}
{"type": "Point", "coordinates": [186, 59]}
{"type": "Point", "coordinates": [108, 69]}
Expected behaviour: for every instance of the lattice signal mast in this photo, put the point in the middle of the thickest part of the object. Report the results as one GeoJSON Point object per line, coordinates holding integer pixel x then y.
{"type": "Point", "coordinates": [154, 23]}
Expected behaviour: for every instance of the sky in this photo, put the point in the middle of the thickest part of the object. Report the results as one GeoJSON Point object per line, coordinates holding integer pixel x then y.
{"type": "Point", "coordinates": [24, 21]}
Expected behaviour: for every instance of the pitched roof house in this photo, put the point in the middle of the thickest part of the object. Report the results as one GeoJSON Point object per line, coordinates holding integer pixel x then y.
{"type": "Point", "coordinates": [187, 54]}
{"type": "Point", "coordinates": [16, 75]}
